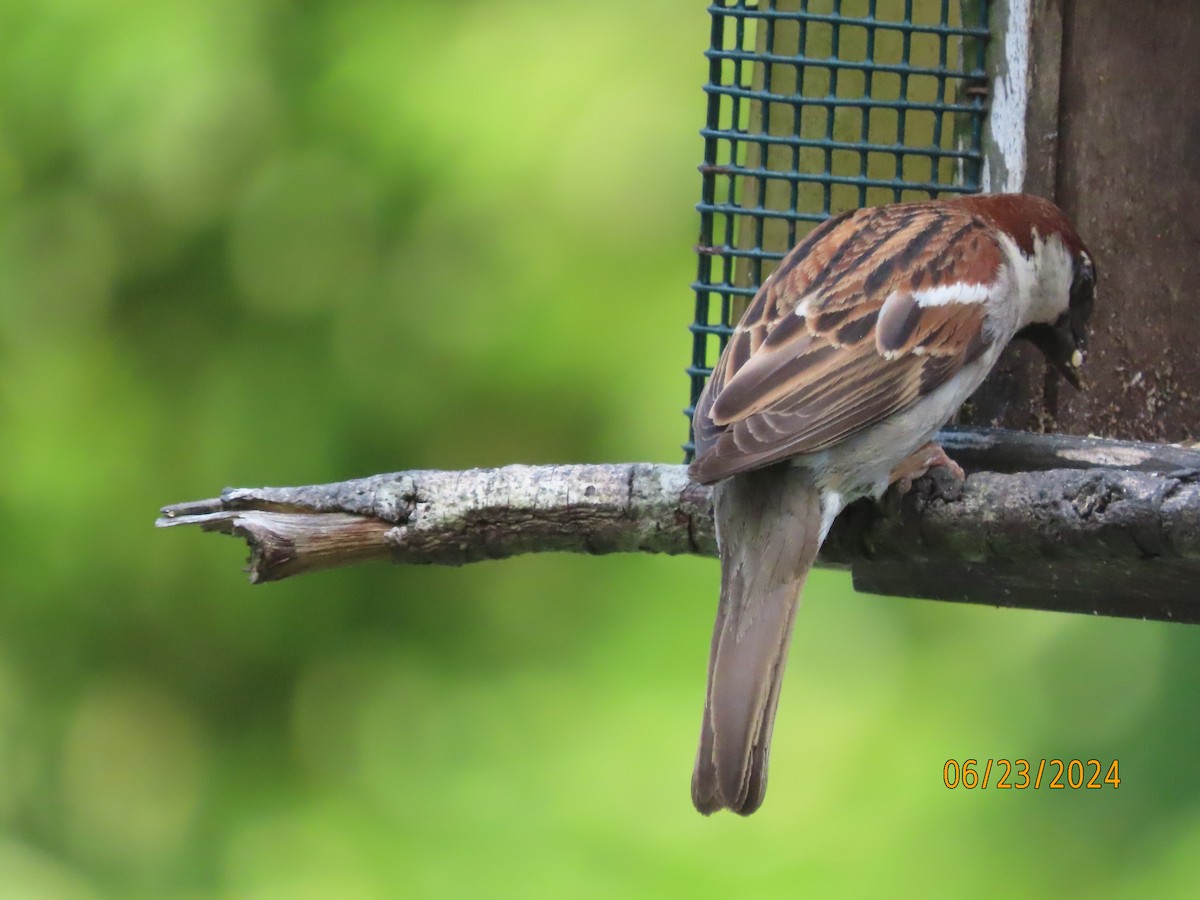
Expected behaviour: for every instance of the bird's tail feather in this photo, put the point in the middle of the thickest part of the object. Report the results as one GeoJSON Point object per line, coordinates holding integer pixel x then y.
{"type": "Point", "coordinates": [769, 531]}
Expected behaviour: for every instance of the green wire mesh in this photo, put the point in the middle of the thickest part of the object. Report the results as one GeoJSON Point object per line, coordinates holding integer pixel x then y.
{"type": "Point", "coordinates": [815, 108]}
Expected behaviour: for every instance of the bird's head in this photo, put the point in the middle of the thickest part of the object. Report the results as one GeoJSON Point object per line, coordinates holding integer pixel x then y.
{"type": "Point", "coordinates": [1056, 275]}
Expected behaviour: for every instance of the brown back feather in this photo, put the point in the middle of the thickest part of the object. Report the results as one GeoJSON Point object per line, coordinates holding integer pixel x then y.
{"type": "Point", "coordinates": [834, 340]}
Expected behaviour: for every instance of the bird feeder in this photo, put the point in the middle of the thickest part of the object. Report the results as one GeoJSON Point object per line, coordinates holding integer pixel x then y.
{"type": "Point", "coordinates": [817, 107]}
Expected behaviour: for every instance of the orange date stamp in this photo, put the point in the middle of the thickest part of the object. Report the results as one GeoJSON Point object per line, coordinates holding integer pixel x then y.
{"type": "Point", "coordinates": [1024, 774]}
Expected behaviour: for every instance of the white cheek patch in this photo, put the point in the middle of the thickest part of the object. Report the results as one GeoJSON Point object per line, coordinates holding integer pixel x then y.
{"type": "Point", "coordinates": [1050, 268]}
{"type": "Point", "coordinates": [953, 293]}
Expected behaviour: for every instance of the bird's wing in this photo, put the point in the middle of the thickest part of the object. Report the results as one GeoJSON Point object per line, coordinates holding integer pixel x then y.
{"type": "Point", "coordinates": [871, 311]}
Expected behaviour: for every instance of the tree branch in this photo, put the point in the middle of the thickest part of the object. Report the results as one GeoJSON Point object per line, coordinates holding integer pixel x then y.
{"type": "Point", "coordinates": [1074, 524]}
{"type": "Point", "coordinates": [451, 518]}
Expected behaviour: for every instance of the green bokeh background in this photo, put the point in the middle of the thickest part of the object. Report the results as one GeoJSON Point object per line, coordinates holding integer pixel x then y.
{"type": "Point", "coordinates": [268, 243]}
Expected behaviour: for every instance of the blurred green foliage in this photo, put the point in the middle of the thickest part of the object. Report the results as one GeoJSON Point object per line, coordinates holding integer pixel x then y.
{"type": "Point", "coordinates": [258, 242]}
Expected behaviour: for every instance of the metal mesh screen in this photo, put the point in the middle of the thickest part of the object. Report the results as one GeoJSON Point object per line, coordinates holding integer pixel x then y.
{"type": "Point", "coordinates": [815, 108]}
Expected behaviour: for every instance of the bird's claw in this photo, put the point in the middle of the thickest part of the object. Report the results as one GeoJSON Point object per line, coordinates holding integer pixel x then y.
{"type": "Point", "coordinates": [945, 481]}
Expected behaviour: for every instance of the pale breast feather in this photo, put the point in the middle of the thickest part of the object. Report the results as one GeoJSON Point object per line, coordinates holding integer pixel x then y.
{"type": "Point", "coordinates": [873, 310]}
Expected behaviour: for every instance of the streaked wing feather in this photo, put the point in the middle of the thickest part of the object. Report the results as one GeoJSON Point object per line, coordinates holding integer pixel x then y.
{"type": "Point", "coordinates": [855, 325]}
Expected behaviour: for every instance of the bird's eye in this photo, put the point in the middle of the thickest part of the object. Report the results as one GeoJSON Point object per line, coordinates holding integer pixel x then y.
{"type": "Point", "coordinates": [1083, 287]}
{"type": "Point", "coordinates": [1085, 270]}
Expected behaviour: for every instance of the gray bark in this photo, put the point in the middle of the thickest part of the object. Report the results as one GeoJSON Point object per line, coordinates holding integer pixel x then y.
{"type": "Point", "coordinates": [1083, 525]}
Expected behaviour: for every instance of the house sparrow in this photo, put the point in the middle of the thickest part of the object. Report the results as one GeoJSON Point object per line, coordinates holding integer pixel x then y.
{"type": "Point", "coordinates": [854, 352]}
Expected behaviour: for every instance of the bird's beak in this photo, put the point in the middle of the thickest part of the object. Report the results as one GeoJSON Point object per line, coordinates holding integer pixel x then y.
{"type": "Point", "coordinates": [1068, 350]}
{"type": "Point", "coordinates": [1071, 370]}
{"type": "Point", "coordinates": [1063, 344]}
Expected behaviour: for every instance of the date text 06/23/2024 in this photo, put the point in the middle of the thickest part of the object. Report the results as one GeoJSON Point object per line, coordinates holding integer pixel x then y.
{"type": "Point", "coordinates": [1023, 774]}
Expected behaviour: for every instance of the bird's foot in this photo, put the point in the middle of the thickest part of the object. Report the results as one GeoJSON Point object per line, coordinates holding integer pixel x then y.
{"type": "Point", "coordinates": [948, 476]}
